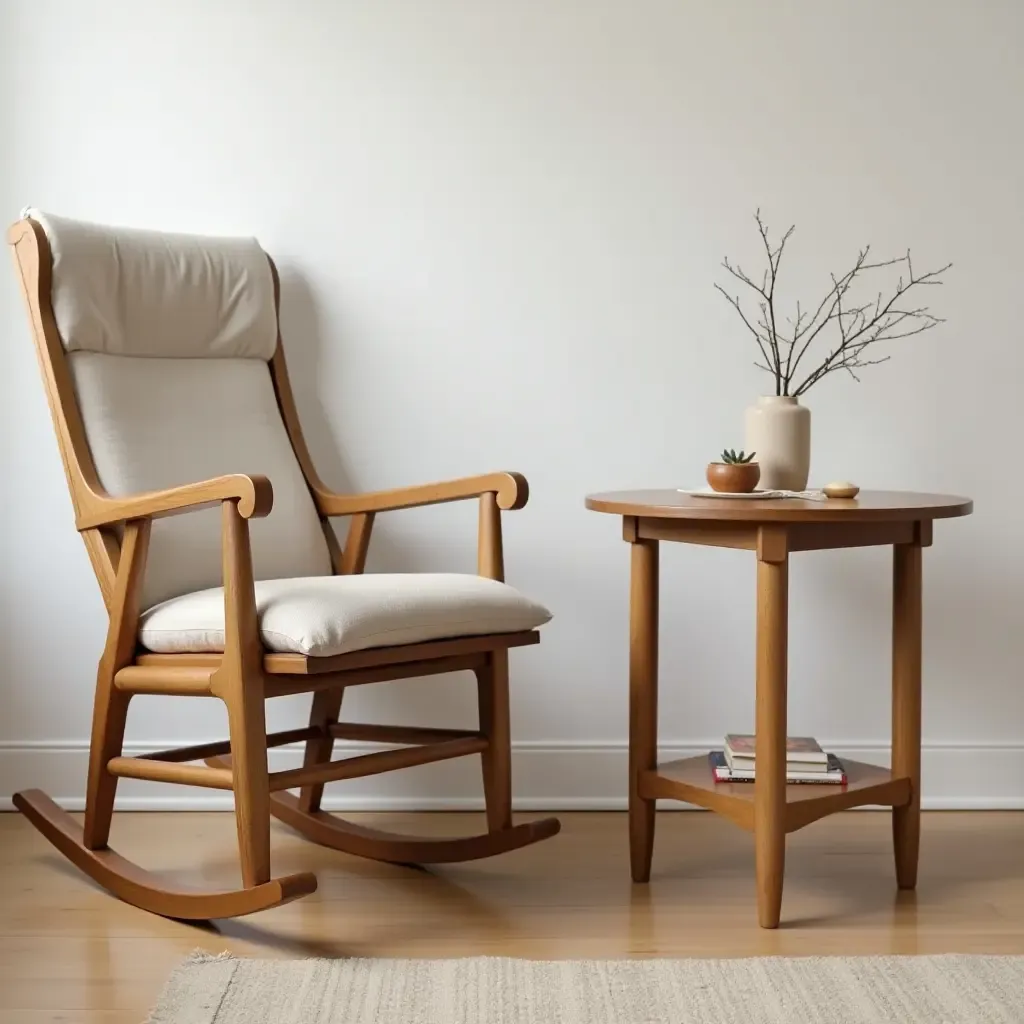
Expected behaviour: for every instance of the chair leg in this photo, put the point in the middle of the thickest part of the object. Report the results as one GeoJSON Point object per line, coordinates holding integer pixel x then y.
{"type": "Point", "coordinates": [110, 705]}
{"type": "Point", "coordinates": [324, 713]}
{"type": "Point", "coordinates": [248, 734]}
{"type": "Point", "coordinates": [300, 812]}
{"type": "Point", "coordinates": [110, 713]}
{"type": "Point", "coordinates": [492, 690]}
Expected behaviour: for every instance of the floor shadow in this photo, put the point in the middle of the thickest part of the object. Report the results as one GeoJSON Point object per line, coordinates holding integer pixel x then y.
{"type": "Point", "coordinates": [248, 931]}
{"type": "Point", "coordinates": [867, 902]}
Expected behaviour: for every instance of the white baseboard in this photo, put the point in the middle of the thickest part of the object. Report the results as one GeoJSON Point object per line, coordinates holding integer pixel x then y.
{"type": "Point", "coordinates": [562, 776]}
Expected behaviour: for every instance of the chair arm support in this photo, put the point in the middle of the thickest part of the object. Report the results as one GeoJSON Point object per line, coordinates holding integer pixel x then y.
{"type": "Point", "coordinates": [510, 490]}
{"type": "Point", "coordinates": [254, 495]}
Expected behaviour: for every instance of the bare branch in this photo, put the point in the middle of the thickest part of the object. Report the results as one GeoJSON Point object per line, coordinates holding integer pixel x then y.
{"type": "Point", "coordinates": [880, 327]}
{"type": "Point", "coordinates": [774, 259]}
{"type": "Point", "coordinates": [863, 331]}
{"type": "Point", "coordinates": [839, 289]}
{"type": "Point", "coordinates": [735, 303]}
{"type": "Point", "coordinates": [868, 362]}
{"type": "Point", "coordinates": [739, 274]}
{"type": "Point", "coordinates": [858, 325]}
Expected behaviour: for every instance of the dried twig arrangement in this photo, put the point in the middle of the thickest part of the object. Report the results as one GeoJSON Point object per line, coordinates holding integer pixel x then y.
{"type": "Point", "coordinates": [859, 326]}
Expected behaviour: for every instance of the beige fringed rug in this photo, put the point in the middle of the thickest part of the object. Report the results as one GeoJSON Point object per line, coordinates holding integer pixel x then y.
{"type": "Point", "coordinates": [769, 990]}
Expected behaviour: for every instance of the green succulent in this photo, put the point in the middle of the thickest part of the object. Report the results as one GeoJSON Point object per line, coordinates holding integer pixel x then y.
{"type": "Point", "coordinates": [732, 458]}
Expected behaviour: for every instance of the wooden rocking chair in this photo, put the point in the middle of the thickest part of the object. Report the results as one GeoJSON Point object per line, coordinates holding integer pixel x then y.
{"type": "Point", "coordinates": [163, 366]}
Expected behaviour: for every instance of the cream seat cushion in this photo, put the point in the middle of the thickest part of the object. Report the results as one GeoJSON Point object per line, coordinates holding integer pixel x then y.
{"type": "Point", "coordinates": [321, 616]}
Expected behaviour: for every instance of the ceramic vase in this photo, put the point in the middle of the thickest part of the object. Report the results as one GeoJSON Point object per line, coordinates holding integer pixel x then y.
{"type": "Point", "coordinates": [778, 428]}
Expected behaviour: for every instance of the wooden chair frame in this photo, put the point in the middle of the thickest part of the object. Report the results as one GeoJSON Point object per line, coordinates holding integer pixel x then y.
{"type": "Point", "coordinates": [116, 532]}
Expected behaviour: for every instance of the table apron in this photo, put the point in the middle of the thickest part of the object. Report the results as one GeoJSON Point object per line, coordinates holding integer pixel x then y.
{"type": "Point", "coordinates": [799, 536]}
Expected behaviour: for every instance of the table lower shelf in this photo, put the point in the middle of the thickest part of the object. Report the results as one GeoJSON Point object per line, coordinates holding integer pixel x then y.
{"type": "Point", "coordinates": [692, 780]}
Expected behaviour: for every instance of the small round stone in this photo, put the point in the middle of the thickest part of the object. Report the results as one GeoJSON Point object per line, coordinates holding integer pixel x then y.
{"type": "Point", "coordinates": [841, 489]}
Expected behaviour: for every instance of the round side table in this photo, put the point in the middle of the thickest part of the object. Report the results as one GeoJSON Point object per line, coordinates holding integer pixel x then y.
{"type": "Point", "coordinates": [773, 529]}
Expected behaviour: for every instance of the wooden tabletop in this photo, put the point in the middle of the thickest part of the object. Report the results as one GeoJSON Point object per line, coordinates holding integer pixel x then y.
{"type": "Point", "coordinates": [868, 506]}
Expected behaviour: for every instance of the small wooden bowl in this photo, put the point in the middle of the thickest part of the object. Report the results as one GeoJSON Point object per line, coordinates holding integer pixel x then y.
{"type": "Point", "coordinates": [733, 478]}
{"type": "Point", "coordinates": [841, 489]}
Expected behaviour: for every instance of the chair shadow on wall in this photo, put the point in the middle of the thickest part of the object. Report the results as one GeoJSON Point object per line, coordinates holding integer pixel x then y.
{"type": "Point", "coordinates": [306, 342]}
{"type": "Point", "coordinates": [441, 700]}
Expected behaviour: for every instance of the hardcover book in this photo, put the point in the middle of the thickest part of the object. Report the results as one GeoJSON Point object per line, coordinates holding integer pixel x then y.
{"type": "Point", "coordinates": [834, 774]}
{"type": "Point", "coordinates": [741, 763]}
{"type": "Point", "coordinates": [806, 749]}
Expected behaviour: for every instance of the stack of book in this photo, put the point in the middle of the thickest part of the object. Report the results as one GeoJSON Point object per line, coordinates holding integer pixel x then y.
{"type": "Point", "coordinates": [806, 762]}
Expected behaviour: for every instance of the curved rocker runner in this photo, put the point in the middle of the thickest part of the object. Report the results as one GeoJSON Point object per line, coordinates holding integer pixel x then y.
{"type": "Point", "coordinates": [204, 314]}
{"type": "Point", "coordinates": [138, 887]}
{"type": "Point", "coordinates": [394, 847]}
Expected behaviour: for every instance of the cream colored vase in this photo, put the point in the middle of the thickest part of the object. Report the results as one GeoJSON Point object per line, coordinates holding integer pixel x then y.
{"type": "Point", "coordinates": [779, 430]}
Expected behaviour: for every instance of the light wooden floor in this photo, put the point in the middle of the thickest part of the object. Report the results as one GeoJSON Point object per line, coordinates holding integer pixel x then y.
{"type": "Point", "coordinates": [70, 952]}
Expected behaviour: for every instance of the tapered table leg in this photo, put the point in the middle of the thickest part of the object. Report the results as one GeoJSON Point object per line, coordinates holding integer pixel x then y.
{"type": "Point", "coordinates": [906, 707]}
{"type": "Point", "coordinates": [770, 787]}
{"type": "Point", "coordinates": [643, 700]}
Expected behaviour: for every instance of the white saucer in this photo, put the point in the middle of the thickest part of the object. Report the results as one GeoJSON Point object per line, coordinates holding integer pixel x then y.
{"type": "Point", "coordinates": [706, 492]}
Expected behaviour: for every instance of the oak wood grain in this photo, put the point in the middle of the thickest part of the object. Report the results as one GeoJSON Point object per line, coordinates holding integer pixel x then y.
{"type": "Point", "coordinates": [509, 489]}
{"type": "Point", "coordinates": [129, 882]}
{"type": "Point", "coordinates": [239, 682]}
{"type": "Point", "coordinates": [906, 707]}
{"type": "Point", "coordinates": [373, 732]}
{"type": "Point", "coordinates": [490, 559]}
{"type": "Point", "coordinates": [323, 714]}
{"type": "Point", "coordinates": [68, 952]}
{"type": "Point", "coordinates": [868, 506]}
{"type": "Point", "coordinates": [380, 657]}
{"type": "Point", "coordinates": [771, 676]}
{"type": "Point", "coordinates": [357, 543]}
{"type": "Point", "coordinates": [495, 726]}
{"type": "Point", "coordinates": [165, 771]}
{"type": "Point", "coordinates": [110, 705]}
{"type": "Point", "coordinates": [170, 678]}
{"type": "Point", "coordinates": [691, 780]}
{"type": "Point", "coordinates": [253, 495]}
{"type": "Point", "coordinates": [362, 765]}
{"type": "Point", "coordinates": [284, 686]}
{"type": "Point", "coordinates": [643, 701]}
{"type": "Point", "coordinates": [398, 848]}
{"type": "Point", "coordinates": [199, 751]}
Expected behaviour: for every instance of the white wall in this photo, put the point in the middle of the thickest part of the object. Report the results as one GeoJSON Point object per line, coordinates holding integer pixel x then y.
{"type": "Point", "coordinates": [499, 226]}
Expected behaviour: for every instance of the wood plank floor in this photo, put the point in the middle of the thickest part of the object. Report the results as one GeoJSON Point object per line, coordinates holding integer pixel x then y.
{"type": "Point", "coordinates": [70, 952]}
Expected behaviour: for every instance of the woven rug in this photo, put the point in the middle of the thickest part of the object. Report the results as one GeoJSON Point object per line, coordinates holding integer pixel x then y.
{"type": "Point", "coordinates": [768, 990]}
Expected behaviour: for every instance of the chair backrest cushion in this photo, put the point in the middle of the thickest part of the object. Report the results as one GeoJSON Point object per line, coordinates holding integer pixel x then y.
{"type": "Point", "coordinates": [167, 340]}
{"type": "Point", "coordinates": [130, 292]}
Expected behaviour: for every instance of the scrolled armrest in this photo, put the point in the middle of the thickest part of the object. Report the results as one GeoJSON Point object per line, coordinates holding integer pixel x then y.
{"type": "Point", "coordinates": [510, 489]}
{"type": "Point", "coordinates": [254, 495]}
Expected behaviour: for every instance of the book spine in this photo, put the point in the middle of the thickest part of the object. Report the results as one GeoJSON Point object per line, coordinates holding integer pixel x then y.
{"type": "Point", "coordinates": [832, 781]}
